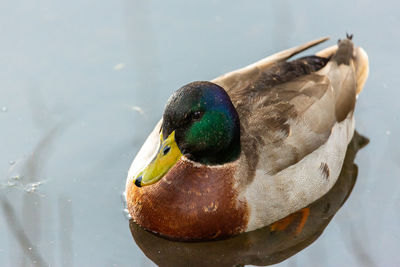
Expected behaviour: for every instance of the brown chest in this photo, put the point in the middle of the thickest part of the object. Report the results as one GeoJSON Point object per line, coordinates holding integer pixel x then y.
{"type": "Point", "coordinates": [190, 203]}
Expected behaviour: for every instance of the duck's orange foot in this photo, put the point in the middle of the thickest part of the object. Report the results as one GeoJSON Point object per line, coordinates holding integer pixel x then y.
{"type": "Point", "coordinates": [296, 220]}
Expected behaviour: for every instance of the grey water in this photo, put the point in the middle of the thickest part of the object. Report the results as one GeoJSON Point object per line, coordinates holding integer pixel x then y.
{"type": "Point", "coordinates": [82, 83]}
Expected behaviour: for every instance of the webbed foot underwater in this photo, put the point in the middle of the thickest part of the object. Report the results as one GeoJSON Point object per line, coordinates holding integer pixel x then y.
{"type": "Point", "coordinates": [250, 147]}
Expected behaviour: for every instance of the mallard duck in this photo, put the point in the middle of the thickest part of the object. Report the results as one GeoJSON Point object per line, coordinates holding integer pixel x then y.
{"type": "Point", "coordinates": [250, 147]}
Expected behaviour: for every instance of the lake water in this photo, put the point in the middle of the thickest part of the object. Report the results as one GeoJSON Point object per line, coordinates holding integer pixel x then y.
{"type": "Point", "coordinates": [84, 82]}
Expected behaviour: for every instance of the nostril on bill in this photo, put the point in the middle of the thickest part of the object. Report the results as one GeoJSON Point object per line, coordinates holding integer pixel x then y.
{"type": "Point", "coordinates": [166, 150]}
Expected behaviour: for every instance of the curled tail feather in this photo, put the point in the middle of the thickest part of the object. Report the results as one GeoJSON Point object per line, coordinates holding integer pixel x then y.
{"type": "Point", "coordinates": [343, 53]}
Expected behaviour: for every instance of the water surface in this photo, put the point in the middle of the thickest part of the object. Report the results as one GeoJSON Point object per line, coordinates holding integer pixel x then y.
{"type": "Point", "coordinates": [82, 83]}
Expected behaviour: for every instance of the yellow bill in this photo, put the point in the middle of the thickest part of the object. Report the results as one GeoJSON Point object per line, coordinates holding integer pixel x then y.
{"type": "Point", "coordinates": [168, 154]}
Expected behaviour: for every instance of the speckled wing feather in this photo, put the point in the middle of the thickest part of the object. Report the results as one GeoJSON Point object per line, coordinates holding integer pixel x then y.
{"type": "Point", "coordinates": [288, 108]}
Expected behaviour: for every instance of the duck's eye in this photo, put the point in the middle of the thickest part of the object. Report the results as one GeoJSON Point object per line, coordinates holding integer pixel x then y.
{"type": "Point", "coordinates": [166, 150]}
{"type": "Point", "coordinates": [196, 115]}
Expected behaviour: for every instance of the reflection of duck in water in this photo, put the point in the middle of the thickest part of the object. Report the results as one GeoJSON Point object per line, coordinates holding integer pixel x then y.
{"type": "Point", "coordinates": [265, 246]}
{"type": "Point", "coordinates": [225, 162]}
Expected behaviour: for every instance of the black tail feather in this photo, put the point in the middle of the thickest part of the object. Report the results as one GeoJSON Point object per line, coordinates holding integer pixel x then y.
{"type": "Point", "coordinates": [345, 50]}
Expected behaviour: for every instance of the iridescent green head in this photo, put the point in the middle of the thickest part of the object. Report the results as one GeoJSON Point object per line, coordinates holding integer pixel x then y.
{"type": "Point", "coordinates": [206, 124]}
{"type": "Point", "coordinates": [199, 122]}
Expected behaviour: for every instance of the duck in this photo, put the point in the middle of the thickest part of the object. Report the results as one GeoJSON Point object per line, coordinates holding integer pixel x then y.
{"type": "Point", "coordinates": [250, 147]}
